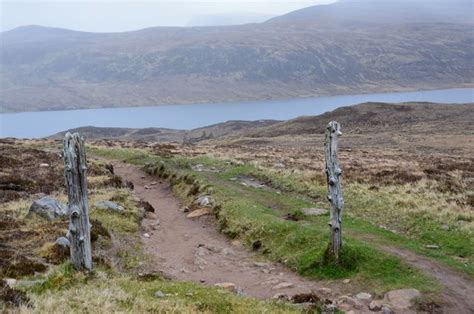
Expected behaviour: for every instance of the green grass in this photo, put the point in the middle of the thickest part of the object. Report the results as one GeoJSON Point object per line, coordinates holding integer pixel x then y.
{"type": "Point", "coordinates": [256, 216]}
{"type": "Point", "coordinates": [105, 291]}
{"type": "Point", "coordinates": [119, 223]}
{"type": "Point", "coordinates": [111, 290]}
{"type": "Point", "coordinates": [418, 218]}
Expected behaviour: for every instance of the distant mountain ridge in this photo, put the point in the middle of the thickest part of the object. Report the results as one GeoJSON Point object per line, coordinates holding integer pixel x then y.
{"type": "Point", "coordinates": [332, 49]}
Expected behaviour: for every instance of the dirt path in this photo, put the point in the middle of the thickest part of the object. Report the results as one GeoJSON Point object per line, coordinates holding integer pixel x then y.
{"type": "Point", "coordinates": [458, 294]}
{"type": "Point", "coordinates": [194, 250]}
{"type": "Point", "coordinates": [458, 288]}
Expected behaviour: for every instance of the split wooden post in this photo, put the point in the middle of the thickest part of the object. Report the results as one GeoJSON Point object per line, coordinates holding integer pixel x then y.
{"type": "Point", "coordinates": [75, 172]}
{"type": "Point", "coordinates": [333, 173]}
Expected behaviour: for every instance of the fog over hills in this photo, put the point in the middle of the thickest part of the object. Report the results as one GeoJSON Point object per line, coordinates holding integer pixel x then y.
{"type": "Point", "coordinates": [347, 47]}
{"type": "Point", "coordinates": [384, 12]}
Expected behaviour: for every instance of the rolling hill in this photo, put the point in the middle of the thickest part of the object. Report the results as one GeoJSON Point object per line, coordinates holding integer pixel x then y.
{"type": "Point", "coordinates": [373, 118]}
{"type": "Point", "coordinates": [366, 121]}
{"type": "Point", "coordinates": [346, 47]}
{"type": "Point", "coordinates": [229, 128]}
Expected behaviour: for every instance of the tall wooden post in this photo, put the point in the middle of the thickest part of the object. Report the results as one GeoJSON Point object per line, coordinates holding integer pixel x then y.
{"type": "Point", "coordinates": [75, 171]}
{"type": "Point", "coordinates": [333, 172]}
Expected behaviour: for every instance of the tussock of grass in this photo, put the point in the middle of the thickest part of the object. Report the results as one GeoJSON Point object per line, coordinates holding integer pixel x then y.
{"type": "Point", "coordinates": [66, 291]}
{"type": "Point", "coordinates": [120, 223]}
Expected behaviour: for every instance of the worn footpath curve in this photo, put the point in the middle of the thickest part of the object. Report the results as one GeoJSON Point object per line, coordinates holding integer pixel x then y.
{"type": "Point", "coordinates": [194, 250]}
{"type": "Point", "coordinates": [458, 292]}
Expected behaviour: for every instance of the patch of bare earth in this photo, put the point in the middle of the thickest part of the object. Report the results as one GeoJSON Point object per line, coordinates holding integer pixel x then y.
{"type": "Point", "coordinates": [194, 250]}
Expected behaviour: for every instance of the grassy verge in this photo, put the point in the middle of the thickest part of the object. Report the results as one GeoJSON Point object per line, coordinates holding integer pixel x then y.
{"type": "Point", "coordinates": [256, 217]}
{"type": "Point", "coordinates": [115, 285]}
{"type": "Point", "coordinates": [105, 291]}
{"type": "Point", "coordinates": [409, 216]}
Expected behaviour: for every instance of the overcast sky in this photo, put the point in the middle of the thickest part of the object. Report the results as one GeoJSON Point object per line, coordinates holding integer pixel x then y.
{"type": "Point", "coordinates": [116, 16]}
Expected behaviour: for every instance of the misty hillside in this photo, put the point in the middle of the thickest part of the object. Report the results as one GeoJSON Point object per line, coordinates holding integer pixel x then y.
{"type": "Point", "coordinates": [383, 12]}
{"type": "Point", "coordinates": [347, 47]}
{"type": "Point", "coordinates": [228, 19]}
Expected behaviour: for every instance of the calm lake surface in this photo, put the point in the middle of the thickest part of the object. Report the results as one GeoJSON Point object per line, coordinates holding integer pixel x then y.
{"type": "Point", "coordinates": [40, 124]}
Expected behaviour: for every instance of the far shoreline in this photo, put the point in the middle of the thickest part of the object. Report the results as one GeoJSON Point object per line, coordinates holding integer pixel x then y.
{"type": "Point", "coordinates": [260, 100]}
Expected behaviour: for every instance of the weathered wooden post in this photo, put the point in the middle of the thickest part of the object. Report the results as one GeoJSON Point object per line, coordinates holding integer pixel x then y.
{"type": "Point", "coordinates": [333, 172]}
{"type": "Point", "coordinates": [75, 171]}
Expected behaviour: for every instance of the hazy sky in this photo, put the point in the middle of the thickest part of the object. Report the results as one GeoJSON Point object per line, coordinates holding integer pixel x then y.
{"type": "Point", "coordinates": [113, 15]}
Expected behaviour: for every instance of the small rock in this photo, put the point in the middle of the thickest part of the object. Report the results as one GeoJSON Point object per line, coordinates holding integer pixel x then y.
{"type": "Point", "coordinates": [387, 310]}
{"type": "Point", "coordinates": [146, 235]}
{"type": "Point", "coordinates": [202, 251]}
{"type": "Point", "coordinates": [47, 208]}
{"type": "Point", "coordinates": [351, 301]}
{"type": "Point", "coordinates": [203, 201]}
{"type": "Point", "coordinates": [445, 227]}
{"type": "Point", "coordinates": [376, 305]}
{"type": "Point", "coordinates": [402, 298]}
{"type": "Point", "coordinates": [314, 211]}
{"type": "Point", "coordinates": [279, 165]}
{"type": "Point", "coordinates": [159, 294]}
{"type": "Point", "coordinates": [432, 246]}
{"type": "Point", "coordinates": [44, 165]}
{"type": "Point", "coordinates": [155, 225]}
{"type": "Point", "coordinates": [364, 296]}
{"type": "Point", "coordinates": [199, 212]}
{"type": "Point", "coordinates": [154, 183]}
{"type": "Point", "coordinates": [108, 205]}
{"type": "Point", "coordinates": [63, 242]}
{"type": "Point", "coordinates": [226, 285]}
{"type": "Point", "coordinates": [146, 187]}
{"type": "Point", "coordinates": [346, 281]}
{"type": "Point", "coordinates": [233, 179]}
{"type": "Point", "coordinates": [258, 264]}
{"type": "Point", "coordinates": [282, 285]}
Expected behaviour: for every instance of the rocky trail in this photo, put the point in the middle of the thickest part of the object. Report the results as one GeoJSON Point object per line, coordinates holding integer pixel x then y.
{"type": "Point", "coordinates": [192, 249]}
